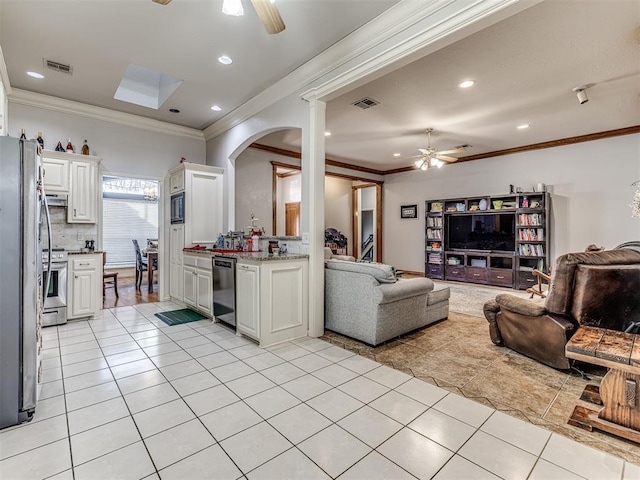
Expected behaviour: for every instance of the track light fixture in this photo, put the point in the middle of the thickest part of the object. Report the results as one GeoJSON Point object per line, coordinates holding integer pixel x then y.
{"type": "Point", "coordinates": [581, 91]}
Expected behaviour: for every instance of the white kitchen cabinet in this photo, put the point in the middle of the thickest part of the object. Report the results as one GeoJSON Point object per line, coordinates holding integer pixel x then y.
{"type": "Point", "coordinates": [56, 174]}
{"type": "Point", "coordinates": [83, 192]}
{"type": "Point", "coordinates": [84, 285]}
{"type": "Point", "coordinates": [176, 182]}
{"type": "Point", "coordinates": [248, 300]}
{"type": "Point", "coordinates": [272, 303]}
{"type": "Point", "coordinates": [198, 282]}
{"type": "Point", "coordinates": [176, 274]}
{"type": "Point", "coordinates": [190, 282]}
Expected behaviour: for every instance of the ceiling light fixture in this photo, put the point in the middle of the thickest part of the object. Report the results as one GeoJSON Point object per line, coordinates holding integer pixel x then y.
{"type": "Point", "coordinates": [233, 8]}
{"type": "Point", "coordinates": [396, 154]}
{"type": "Point", "coordinates": [225, 60]}
{"type": "Point", "coordinates": [174, 110]}
{"type": "Point", "coordinates": [216, 108]}
{"type": "Point", "coordinates": [425, 163]}
{"type": "Point", "coordinates": [327, 134]}
{"type": "Point", "coordinates": [35, 75]}
{"type": "Point", "coordinates": [523, 126]}
{"type": "Point", "coordinates": [467, 84]}
{"type": "Point", "coordinates": [581, 91]}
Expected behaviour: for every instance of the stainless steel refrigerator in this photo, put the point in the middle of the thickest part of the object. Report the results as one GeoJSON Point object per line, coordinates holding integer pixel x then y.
{"type": "Point", "coordinates": [23, 213]}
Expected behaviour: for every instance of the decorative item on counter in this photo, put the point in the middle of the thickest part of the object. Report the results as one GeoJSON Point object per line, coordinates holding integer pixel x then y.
{"type": "Point", "coordinates": [182, 159]}
{"type": "Point", "coordinates": [249, 244]}
{"type": "Point", "coordinates": [85, 148]}
{"type": "Point", "coordinates": [23, 135]}
{"type": "Point", "coordinates": [220, 244]}
{"type": "Point", "coordinates": [276, 251]}
{"type": "Point", "coordinates": [40, 140]}
{"type": "Point", "coordinates": [69, 147]}
{"type": "Point", "coordinates": [256, 243]}
{"type": "Point", "coordinates": [272, 244]}
{"type": "Point", "coordinates": [59, 147]}
{"type": "Point", "coordinates": [283, 248]}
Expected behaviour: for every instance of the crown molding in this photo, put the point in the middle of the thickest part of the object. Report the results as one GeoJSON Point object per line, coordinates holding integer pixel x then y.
{"type": "Point", "coordinates": [443, 24]}
{"type": "Point", "coordinates": [56, 104]}
{"type": "Point", "coordinates": [402, 16]}
{"type": "Point", "coordinates": [4, 75]}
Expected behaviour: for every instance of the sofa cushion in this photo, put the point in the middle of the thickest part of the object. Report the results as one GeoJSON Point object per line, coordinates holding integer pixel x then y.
{"type": "Point", "coordinates": [440, 293]}
{"type": "Point", "coordinates": [381, 272]}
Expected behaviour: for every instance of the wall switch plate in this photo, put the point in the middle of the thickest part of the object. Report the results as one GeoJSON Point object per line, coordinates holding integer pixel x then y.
{"type": "Point", "coordinates": [80, 236]}
{"type": "Point", "coordinates": [305, 239]}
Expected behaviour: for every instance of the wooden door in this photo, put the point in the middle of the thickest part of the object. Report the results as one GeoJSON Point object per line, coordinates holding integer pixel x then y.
{"type": "Point", "coordinates": [292, 219]}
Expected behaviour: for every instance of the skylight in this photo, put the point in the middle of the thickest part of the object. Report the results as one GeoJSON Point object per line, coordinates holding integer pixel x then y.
{"type": "Point", "coordinates": [145, 87]}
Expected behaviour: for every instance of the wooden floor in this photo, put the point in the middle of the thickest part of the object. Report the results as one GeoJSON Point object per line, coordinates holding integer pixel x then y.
{"type": "Point", "coordinates": [128, 293]}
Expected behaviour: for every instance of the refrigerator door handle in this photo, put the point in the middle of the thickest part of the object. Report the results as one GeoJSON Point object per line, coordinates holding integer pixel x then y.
{"type": "Point", "coordinates": [47, 280]}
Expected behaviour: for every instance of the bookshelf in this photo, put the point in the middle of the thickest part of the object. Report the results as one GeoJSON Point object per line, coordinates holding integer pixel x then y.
{"type": "Point", "coordinates": [500, 259]}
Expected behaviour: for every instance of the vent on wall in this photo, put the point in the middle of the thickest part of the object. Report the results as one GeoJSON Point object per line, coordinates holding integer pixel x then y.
{"type": "Point", "coordinates": [366, 102]}
{"type": "Point", "coordinates": [58, 67]}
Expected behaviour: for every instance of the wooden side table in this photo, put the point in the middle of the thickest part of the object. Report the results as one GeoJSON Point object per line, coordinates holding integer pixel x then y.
{"type": "Point", "coordinates": [620, 353]}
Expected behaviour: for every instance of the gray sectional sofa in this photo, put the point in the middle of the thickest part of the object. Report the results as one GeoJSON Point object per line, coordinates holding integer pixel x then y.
{"type": "Point", "coordinates": [366, 301]}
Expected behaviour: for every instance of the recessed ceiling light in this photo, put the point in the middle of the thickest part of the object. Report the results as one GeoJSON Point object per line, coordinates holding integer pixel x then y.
{"type": "Point", "coordinates": [174, 110]}
{"type": "Point", "coordinates": [216, 108]}
{"type": "Point", "coordinates": [396, 154]}
{"type": "Point", "coordinates": [523, 126]}
{"type": "Point", "coordinates": [35, 75]}
{"type": "Point", "coordinates": [327, 134]}
{"type": "Point", "coordinates": [225, 60]}
{"type": "Point", "coordinates": [467, 84]}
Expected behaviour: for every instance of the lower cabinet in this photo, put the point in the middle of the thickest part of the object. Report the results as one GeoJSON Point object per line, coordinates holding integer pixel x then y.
{"type": "Point", "coordinates": [84, 285]}
{"type": "Point", "coordinates": [248, 300]}
{"type": "Point", "coordinates": [198, 283]}
{"type": "Point", "coordinates": [272, 299]}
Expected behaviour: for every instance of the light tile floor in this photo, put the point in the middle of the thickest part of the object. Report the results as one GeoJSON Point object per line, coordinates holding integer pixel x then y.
{"type": "Point", "coordinates": [126, 396]}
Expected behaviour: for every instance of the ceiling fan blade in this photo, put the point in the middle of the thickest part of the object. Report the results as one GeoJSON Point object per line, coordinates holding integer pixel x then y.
{"type": "Point", "coordinates": [455, 150]}
{"type": "Point", "coordinates": [444, 158]}
{"type": "Point", "coordinates": [162, 2]}
{"type": "Point", "coordinates": [269, 16]}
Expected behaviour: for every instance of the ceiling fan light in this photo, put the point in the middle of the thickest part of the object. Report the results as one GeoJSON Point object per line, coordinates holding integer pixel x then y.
{"type": "Point", "coordinates": [439, 164]}
{"type": "Point", "coordinates": [419, 163]}
{"type": "Point", "coordinates": [433, 162]}
{"type": "Point", "coordinates": [424, 166]}
{"type": "Point", "coordinates": [233, 8]}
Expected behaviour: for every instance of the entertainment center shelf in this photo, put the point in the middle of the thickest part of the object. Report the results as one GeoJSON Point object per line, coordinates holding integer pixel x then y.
{"type": "Point", "coordinates": [492, 240]}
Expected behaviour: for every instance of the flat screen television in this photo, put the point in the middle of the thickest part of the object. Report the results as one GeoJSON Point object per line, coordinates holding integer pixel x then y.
{"type": "Point", "coordinates": [482, 231]}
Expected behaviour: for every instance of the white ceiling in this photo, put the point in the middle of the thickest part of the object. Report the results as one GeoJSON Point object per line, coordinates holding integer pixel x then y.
{"type": "Point", "coordinates": [525, 68]}
{"type": "Point", "coordinates": [100, 38]}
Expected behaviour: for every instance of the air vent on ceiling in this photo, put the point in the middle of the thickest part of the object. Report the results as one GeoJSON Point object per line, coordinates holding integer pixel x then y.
{"type": "Point", "coordinates": [58, 67]}
{"type": "Point", "coordinates": [466, 145]}
{"type": "Point", "coordinates": [366, 102]}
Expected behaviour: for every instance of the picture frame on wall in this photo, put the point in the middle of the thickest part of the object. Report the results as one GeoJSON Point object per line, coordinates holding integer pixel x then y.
{"type": "Point", "coordinates": [409, 211]}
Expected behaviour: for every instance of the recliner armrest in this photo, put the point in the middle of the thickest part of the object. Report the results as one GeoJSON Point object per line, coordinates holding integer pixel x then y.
{"type": "Point", "coordinates": [521, 306]}
{"type": "Point", "coordinates": [405, 288]}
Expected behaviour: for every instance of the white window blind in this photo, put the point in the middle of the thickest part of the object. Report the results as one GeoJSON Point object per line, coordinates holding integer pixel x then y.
{"type": "Point", "coordinates": [124, 220]}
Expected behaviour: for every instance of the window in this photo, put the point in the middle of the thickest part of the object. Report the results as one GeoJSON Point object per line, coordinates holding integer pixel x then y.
{"type": "Point", "coordinates": [130, 210]}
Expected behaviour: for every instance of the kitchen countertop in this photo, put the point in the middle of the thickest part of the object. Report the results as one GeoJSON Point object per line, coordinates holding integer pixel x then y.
{"type": "Point", "coordinates": [261, 256]}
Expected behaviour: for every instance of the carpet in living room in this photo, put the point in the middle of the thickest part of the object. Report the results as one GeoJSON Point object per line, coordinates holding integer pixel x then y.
{"type": "Point", "coordinates": [457, 354]}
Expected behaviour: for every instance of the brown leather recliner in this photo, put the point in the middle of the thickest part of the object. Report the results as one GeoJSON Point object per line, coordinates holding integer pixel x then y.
{"type": "Point", "coordinates": [599, 289]}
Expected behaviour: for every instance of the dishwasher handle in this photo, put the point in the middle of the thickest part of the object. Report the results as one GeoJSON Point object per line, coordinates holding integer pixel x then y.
{"type": "Point", "coordinates": [224, 263]}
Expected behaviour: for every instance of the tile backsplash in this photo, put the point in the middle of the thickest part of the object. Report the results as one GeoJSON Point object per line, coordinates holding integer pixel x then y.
{"type": "Point", "coordinates": [65, 235]}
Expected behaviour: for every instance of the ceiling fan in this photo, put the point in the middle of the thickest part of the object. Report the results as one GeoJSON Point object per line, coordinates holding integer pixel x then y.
{"type": "Point", "coordinates": [267, 12]}
{"type": "Point", "coordinates": [432, 157]}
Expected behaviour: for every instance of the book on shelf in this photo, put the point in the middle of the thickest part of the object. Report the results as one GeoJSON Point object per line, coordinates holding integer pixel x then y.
{"type": "Point", "coordinates": [434, 222]}
{"type": "Point", "coordinates": [531, 234]}
{"type": "Point", "coordinates": [434, 234]}
{"type": "Point", "coordinates": [528, 250]}
{"type": "Point", "coordinates": [530, 219]}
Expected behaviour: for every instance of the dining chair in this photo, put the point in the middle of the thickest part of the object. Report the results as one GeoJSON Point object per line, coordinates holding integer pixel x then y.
{"type": "Point", "coordinates": [141, 264]}
{"type": "Point", "coordinates": [110, 278]}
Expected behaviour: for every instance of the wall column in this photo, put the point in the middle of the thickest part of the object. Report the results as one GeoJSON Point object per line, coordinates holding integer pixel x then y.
{"type": "Point", "coordinates": [312, 214]}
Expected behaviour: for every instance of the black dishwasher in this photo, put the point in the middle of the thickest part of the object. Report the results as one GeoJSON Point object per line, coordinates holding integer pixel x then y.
{"type": "Point", "coordinates": [224, 289]}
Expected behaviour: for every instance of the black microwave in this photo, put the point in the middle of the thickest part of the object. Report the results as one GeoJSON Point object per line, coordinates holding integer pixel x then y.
{"type": "Point", "coordinates": [177, 208]}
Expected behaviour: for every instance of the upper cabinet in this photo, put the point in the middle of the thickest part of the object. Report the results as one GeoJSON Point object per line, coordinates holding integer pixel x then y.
{"type": "Point", "coordinates": [77, 176]}
{"type": "Point", "coordinates": [202, 186]}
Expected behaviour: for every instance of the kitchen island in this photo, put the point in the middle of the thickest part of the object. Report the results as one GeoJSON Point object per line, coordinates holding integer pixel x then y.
{"type": "Point", "coordinates": [271, 292]}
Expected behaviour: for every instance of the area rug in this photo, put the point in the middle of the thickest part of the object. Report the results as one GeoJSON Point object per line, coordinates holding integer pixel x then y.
{"type": "Point", "coordinates": [178, 317]}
